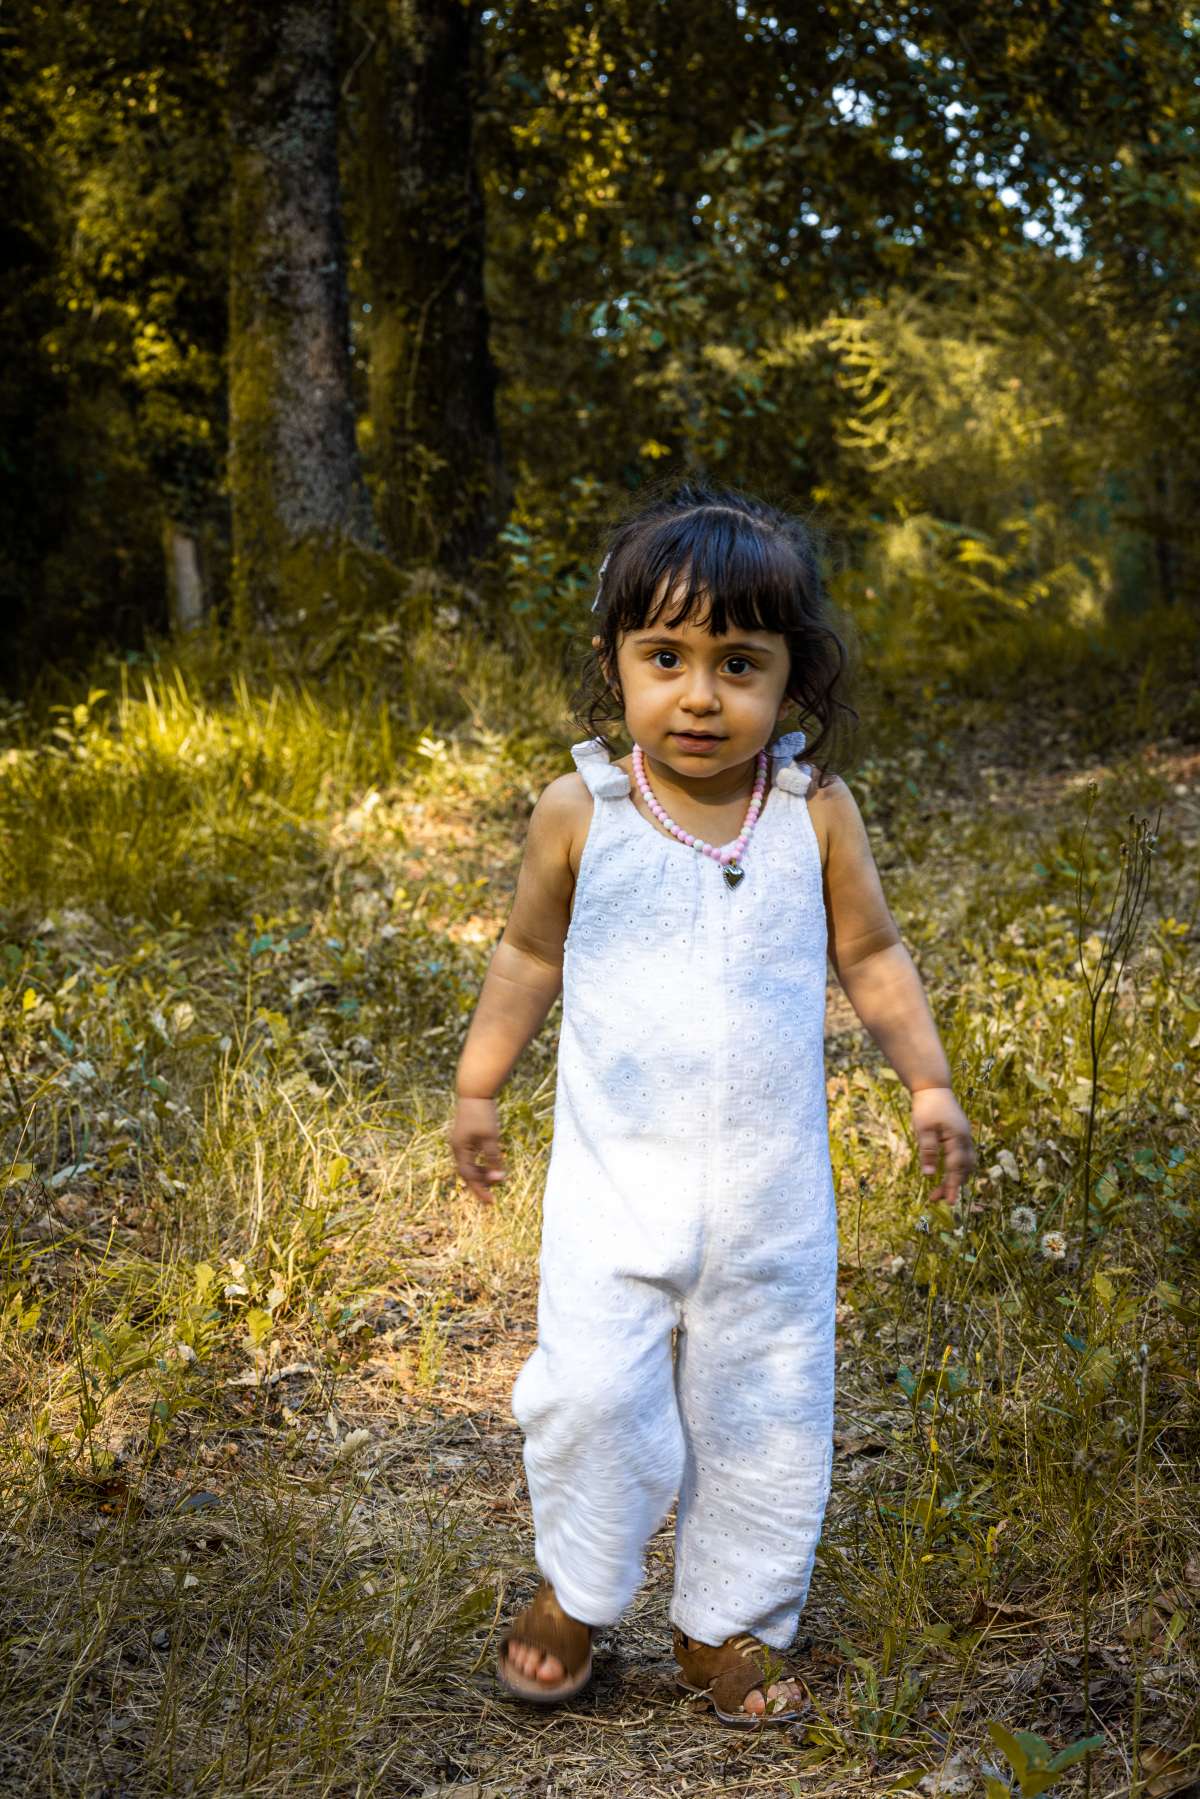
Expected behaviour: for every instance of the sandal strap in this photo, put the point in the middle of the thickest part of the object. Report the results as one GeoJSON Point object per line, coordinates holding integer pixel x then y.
{"type": "Point", "coordinates": [733, 1668]}
{"type": "Point", "coordinates": [544, 1625]}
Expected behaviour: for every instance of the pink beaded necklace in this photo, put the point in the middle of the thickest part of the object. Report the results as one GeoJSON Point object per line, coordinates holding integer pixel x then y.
{"type": "Point", "coordinates": [730, 854]}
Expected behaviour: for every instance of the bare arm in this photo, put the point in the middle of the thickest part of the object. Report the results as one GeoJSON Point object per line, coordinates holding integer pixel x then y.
{"type": "Point", "coordinates": [881, 982]}
{"type": "Point", "coordinates": [523, 980]}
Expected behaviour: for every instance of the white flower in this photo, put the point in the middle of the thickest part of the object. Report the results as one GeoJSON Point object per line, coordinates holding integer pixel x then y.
{"type": "Point", "coordinates": [1054, 1245]}
{"type": "Point", "coordinates": [1022, 1220]}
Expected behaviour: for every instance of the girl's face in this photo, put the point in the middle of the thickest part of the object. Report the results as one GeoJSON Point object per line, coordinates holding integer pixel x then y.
{"type": "Point", "coordinates": [699, 704]}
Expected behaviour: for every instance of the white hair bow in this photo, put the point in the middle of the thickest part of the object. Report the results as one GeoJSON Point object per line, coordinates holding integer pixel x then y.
{"type": "Point", "coordinates": [600, 580]}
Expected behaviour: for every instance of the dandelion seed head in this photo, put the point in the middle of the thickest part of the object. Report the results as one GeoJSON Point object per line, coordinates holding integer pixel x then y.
{"type": "Point", "coordinates": [1023, 1220]}
{"type": "Point", "coordinates": [1054, 1245]}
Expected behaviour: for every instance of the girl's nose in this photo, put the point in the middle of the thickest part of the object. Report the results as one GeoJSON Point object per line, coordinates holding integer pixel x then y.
{"type": "Point", "coordinates": [699, 694]}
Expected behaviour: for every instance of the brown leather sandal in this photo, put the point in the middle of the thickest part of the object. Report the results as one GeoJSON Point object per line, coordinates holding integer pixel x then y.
{"type": "Point", "coordinates": [544, 1625]}
{"type": "Point", "coordinates": [730, 1671]}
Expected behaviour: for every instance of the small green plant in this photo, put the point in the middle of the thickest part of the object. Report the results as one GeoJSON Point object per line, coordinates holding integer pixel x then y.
{"type": "Point", "coordinates": [1035, 1765]}
{"type": "Point", "coordinates": [431, 1344]}
{"type": "Point", "coordinates": [882, 1703]}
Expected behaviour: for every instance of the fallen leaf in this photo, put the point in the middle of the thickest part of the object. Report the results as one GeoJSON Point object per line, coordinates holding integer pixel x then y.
{"type": "Point", "coordinates": [851, 1445]}
{"type": "Point", "coordinates": [1164, 1773]}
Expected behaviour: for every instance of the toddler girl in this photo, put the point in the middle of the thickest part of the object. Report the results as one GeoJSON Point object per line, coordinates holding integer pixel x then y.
{"type": "Point", "coordinates": [684, 898]}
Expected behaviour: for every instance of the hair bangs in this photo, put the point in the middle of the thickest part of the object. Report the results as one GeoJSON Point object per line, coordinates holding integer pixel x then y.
{"type": "Point", "coordinates": [718, 569]}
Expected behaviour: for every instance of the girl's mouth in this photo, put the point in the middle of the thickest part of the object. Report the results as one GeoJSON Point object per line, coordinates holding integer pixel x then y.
{"type": "Point", "coordinates": [697, 740]}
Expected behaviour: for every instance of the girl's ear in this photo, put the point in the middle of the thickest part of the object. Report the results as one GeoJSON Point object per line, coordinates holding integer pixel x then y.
{"type": "Point", "coordinates": [614, 689]}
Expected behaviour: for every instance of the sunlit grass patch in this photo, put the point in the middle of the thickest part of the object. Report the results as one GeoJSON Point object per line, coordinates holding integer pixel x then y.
{"type": "Point", "coordinates": [174, 795]}
{"type": "Point", "coordinates": [154, 802]}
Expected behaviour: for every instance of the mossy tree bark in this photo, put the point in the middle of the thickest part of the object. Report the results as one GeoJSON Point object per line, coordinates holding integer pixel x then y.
{"type": "Point", "coordinates": [443, 489]}
{"type": "Point", "coordinates": [302, 522]}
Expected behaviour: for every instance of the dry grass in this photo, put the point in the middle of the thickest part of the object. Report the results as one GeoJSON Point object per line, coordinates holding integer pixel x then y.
{"type": "Point", "coordinates": [264, 1506]}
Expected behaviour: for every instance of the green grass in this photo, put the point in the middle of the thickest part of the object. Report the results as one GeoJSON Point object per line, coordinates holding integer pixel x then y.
{"type": "Point", "coordinates": [261, 1501]}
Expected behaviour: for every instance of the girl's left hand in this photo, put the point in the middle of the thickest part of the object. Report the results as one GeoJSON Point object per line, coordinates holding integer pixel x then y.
{"type": "Point", "coordinates": [941, 1128]}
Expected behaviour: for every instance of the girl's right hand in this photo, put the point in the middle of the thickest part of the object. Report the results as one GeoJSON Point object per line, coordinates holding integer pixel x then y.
{"type": "Point", "coordinates": [475, 1142]}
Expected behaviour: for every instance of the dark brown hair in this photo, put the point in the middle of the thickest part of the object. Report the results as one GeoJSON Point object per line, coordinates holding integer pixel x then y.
{"type": "Point", "coordinates": [760, 565]}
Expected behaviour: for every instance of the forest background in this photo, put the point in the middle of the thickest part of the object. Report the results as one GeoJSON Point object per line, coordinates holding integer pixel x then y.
{"type": "Point", "coordinates": [332, 339]}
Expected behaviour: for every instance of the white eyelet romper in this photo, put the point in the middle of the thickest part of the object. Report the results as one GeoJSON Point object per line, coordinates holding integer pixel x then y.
{"type": "Point", "coordinates": [689, 1185]}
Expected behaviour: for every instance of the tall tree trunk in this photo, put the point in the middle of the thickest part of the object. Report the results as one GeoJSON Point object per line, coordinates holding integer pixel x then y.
{"type": "Point", "coordinates": [301, 515]}
{"type": "Point", "coordinates": [432, 379]}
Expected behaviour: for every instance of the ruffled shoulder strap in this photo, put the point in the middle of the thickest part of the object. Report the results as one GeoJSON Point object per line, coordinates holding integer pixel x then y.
{"type": "Point", "coordinates": [794, 777]}
{"type": "Point", "coordinates": [604, 779]}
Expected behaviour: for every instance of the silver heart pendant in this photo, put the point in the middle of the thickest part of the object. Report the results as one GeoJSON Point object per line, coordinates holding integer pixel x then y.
{"type": "Point", "coordinates": [733, 872]}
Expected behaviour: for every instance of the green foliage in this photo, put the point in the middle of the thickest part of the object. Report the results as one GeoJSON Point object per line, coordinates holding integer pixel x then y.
{"type": "Point", "coordinates": [1034, 1764]}
{"type": "Point", "coordinates": [978, 416]}
{"type": "Point", "coordinates": [121, 335]}
{"type": "Point", "coordinates": [818, 291]}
